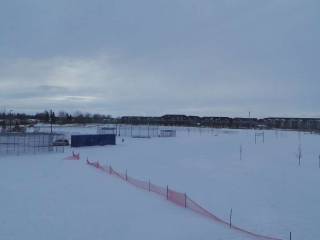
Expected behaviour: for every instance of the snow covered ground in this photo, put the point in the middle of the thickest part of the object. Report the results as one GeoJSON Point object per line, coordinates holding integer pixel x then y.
{"type": "Point", "coordinates": [45, 197]}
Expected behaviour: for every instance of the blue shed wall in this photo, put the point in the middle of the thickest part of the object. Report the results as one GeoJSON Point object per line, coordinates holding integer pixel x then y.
{"type": "Point", "coordinates": [93, 140]}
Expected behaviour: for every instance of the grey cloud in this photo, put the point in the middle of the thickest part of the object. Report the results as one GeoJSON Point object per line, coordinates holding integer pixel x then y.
{"type": "Point", "coordinates": [52, 88]}
{"type": "Point", "coordinates": [194, 56]}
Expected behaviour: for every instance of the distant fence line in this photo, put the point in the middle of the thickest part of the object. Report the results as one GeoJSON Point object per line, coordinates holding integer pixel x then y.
{"type": "Point", "coordinates": [148, 131]}
{"type": "Point", "coordinates": [142, 131]}
{"type": "Point", "coordinates": [137, 131]}
{"type": "Point", "coordinates": [20, 143]}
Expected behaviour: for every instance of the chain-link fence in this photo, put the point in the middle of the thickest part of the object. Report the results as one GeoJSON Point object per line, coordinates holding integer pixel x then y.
{"type": "Point", "coordinates": [137, 131]}
{"type": "Point", "coordinates": [20, 143]}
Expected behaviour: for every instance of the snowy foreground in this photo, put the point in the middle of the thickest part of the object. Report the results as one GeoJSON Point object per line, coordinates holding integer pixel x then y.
{"type": "Point", "coordinates": [44, 196]}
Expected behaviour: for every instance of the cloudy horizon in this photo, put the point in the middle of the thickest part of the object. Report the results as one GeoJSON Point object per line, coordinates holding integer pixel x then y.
{"type": "Point", "coordinates": [217, 58]}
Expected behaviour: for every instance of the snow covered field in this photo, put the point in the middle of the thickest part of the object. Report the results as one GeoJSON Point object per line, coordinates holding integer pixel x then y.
{"type": "Point", "coordinates": [45, 197]}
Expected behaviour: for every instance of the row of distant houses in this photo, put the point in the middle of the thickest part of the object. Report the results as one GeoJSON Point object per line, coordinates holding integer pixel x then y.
{"type": "Point", "coordinates": [307, 124]}
{"type": "Point", "coordinates": [312, 124]}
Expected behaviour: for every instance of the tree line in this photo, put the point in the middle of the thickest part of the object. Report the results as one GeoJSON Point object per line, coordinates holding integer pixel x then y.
{"type": "Point", "coordinates": [49, 116]}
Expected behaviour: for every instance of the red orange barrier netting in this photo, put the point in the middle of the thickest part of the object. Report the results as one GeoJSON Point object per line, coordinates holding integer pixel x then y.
{"type": "Point", "coordinates": [73, 157]}
{"type": "Point", "coordinates": [180, 199]}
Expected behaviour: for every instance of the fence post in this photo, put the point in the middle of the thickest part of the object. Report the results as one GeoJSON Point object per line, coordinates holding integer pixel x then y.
{"type": "Point", "coordinates": [149, 185]}
{"type": "Point", "coordinates": [230, 218]}
{"type": "Point", "coordinates": [14, 143]}
{"type": "Point", "coordinates": [167, 192]}
{"type": "Point", "coordinates": [290, 235]}
{"type": "Point", "coordinates": [299, 155]}
{"type": "Point", "coordinates": [126, 175]}
{"type": "Point", "coordinates": [185, 200]}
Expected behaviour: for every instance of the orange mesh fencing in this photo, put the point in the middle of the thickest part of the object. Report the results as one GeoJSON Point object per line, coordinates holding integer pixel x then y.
{"type": "Point", "coordinates": [180, 199]}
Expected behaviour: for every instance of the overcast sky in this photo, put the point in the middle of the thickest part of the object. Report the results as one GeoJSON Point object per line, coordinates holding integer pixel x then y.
{"type": "Point", "coordinates": [145, 57]}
